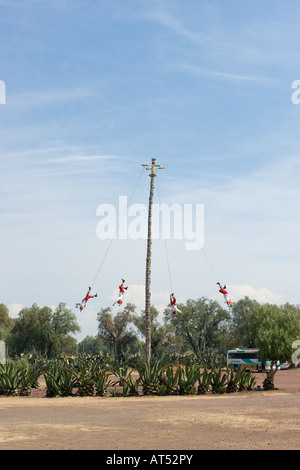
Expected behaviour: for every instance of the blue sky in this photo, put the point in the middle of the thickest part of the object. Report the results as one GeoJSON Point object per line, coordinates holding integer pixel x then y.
{"type": "Point", "coordinates": [96, 88]}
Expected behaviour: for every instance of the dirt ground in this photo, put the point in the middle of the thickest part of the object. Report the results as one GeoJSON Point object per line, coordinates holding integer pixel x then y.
{"type": "Point", "coordinates": [256, 420]}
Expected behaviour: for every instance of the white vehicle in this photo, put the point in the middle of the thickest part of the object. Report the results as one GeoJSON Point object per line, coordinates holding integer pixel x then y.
{"type": "Point", "coordinates": [284, 365]}
{"type": "Point", "coordinates": [276, 365]}
{"type": "Point", "coordinates": [247, 358]}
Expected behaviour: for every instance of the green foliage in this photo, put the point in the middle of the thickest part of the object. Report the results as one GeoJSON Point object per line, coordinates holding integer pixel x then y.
{"type": "Point", "coordinates": [18, 377]}
{"type": "Point", "coordinates": [102, 382]}
{"type": "Point", "coordinates": [204, 381]}
{"type": "Point", "coordinates": [84, 380]}
{"type": "Point", "coordinates": [150, 374]}
{"type": "Point", "coordinates": [115, 332]}
{"type": "Point", "coordinates": [275, 328]}
{"type": "Point", "coordinates": [240, 380]}
{"type": "Point", "coordinates": [6, 323]}
{"type": "Point", "coordinates": [240, 323]}
{"type": "Point", "coordinates": [184, 344]}
{"type": "Point", "coordinates": [133, 386]}
{"type": "Point", "coordinates": [43, 332]}
{"type": "Point", "coordinates": [188, 376]}
{"type": "Point", "coordinates": [218, 381]}
{"type": "Point", "coordinates": [59, 378]}
{"type": "Point", "coordinates": [246, 381]}
{"type": "Point", "coordinates": [10, 376]}
{"type": "Point", "coordinates": [170, 380]}
{"type": "Point", "coordinates": [233, 379]}
{"type": "Point", "coordinates": [29, 379]}
{"type": "Point", "coordinates": [200, 326]}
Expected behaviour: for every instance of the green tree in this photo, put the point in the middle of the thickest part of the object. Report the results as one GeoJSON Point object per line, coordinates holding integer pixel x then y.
{"type": "Point", "coordinates": [115, 330]}
{"type": "Point", "coordinates": [31, 331]}
{"type": "Point", "coordinates": [274, 329]}
{"type": "Point", "coordinates": [201, 324]}
{"type": "Point", "coordinates": [6, 323]}
{"type": "Point", "coordinates": [91, 345]}
{"type": "Point", "coordinates": [240, 323]}
{"type": "Point", "coordinates": [159, 340]}
{"type": "Point", "coordinates": [63, 322]}
{"type": "Point", "coordinates": [39, 330]}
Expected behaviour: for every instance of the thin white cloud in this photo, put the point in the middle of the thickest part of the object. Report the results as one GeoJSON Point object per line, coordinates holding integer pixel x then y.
{"type": "Point", "coordinates": [195, 70]}
{"type": "Point", "coordinates": [261, 295]}
{"type": "Point", "coordinates": [174, 24]}
{"type": "Point", "coordinates": [226, 51]}
{"type": "Point", "coordinates": [46, 97]}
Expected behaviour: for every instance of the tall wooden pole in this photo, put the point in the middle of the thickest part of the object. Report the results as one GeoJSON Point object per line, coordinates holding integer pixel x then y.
{"type": "Point", "coordinates": [148, 264]}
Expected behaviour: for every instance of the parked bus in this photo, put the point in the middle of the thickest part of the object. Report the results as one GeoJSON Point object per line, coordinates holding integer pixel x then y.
{"type": "Point", "coordinates": [247, 358]}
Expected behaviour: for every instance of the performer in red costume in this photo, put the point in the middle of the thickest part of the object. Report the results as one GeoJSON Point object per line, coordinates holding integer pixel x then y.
{"type": "Point", "coordinates": [83, 303]}
{"type": "Point", "coordinates": [222, 290]}
{"type": "Point", "coordinates": [121, 293]}
{"type": "Point", "coordinates": [174, 308]}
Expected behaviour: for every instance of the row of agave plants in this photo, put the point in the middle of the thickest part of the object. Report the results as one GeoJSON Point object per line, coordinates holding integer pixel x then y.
{"type": "Point", "coordinates": [89, 376]}
{"type": "Point", "coordinates": [18, 379]}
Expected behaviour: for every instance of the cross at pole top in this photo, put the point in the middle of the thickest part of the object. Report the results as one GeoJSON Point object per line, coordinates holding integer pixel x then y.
{"type": "Point", "coordinates": [153, 166]}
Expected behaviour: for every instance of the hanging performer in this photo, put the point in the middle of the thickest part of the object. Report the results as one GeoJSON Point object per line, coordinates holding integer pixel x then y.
{"type": "Point", "coordinates": [174, 308]}
{"type": "Point", "coordinates": [121, 293]}
{"type": "Point", "coordinates": [83, 303]}
{"type": "Point", "coordinates": [226, 295]}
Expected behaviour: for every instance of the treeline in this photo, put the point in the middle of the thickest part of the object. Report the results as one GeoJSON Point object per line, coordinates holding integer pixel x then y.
{"type": "Point", "coordinates": [204, 327]}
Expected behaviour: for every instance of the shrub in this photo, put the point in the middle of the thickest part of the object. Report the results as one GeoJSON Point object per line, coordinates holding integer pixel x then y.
{"type": "Point", "coordinates": [10, 376]}
{"type": "Point", "coordinates": [204, 382]}
{"type": "Point", "coordinates": [102, 382]}
{"type": "Point", "coordinates": [218, 381]}
{"type": "Point", "coordinates": [150, 374]}
{"type": "Point", "coordinates": [187, 379]}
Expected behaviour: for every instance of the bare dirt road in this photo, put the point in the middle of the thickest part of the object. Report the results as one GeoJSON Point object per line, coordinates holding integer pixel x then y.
{"type": "Point", "coordinates": [255, 420]}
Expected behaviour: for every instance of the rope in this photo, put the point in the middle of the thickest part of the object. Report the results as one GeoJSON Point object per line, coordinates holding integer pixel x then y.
{"type": "Point", "coordinates": [210, 265]}
{"type": "Point", "coordinates": [132, 241]}
{"type": "Point", "coordinates": [203, 251]}
{"type": "Point", "coordinates": [117, 230]}
{"type": "Point", "coordinates": [166, 249]}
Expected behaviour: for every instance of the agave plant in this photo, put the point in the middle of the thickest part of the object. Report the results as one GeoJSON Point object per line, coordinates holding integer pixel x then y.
{"type": "Point", "coordinates": [121, 373]}
{"type": "Point", "coordinates": [169, 380]}
{"type": "Point", "coordinates": [133, 386]}
{"type": "Point", "coordinates": [188, 376]}
{"type": "Point", "coordinates": [84, 381]}
{"type": "Point", "coordinates": [248, 382]}
{"type": "Point", "coordinates": [218, 381]}
{"type": "Point", "coordinates": [10, 376]}
{"type": "Point", "coordinates": [204, 381]}
{"type": "Point", "coordinates": [29, 378]}
{"type": "Point", "coordinates": [102, 382]}
{"type": "Point", "coordinates": [233, 379]}
{"type": "Point", "coordinates": [150, 375]}
{"type": "Point", "coordinates": [59, 382]}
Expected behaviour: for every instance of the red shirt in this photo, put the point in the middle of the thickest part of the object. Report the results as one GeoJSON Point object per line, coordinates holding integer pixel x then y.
{"type": "Point", "coordinates": [223, 291]}
{"type": "Point", "coordinates": [121, 288]}
{"type": "Point", "coordinates": [173, 301]}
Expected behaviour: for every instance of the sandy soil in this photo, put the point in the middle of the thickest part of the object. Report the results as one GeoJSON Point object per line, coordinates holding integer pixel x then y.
{"type": "Point", "coordinates": [254, 420]}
